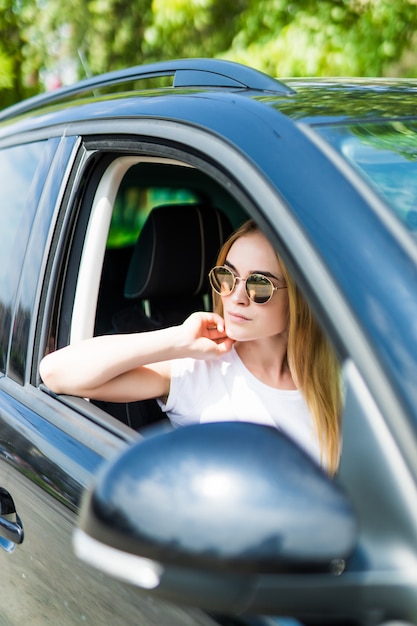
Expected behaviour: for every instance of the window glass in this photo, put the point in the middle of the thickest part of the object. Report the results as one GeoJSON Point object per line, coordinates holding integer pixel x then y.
{"type": "Point", "coordinates": [17, 170]}
{"type": "Point", "coordinates": [386, 155]}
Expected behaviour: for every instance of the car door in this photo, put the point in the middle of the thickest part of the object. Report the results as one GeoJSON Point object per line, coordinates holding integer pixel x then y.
{"type": "Point", "coordinates": [50, 448]}
{"type": "Point", "coordinates": [378, 477]}
{"type": "Point", "coordinates": [54, 447]}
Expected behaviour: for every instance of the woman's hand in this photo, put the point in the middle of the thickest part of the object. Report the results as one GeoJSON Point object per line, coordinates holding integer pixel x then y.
{"type": "Point", "coordinates": [205, 336]}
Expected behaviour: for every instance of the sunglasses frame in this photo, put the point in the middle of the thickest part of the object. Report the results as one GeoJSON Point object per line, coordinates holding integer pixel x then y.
{"type": "Point", "coordinates": [236, 279]}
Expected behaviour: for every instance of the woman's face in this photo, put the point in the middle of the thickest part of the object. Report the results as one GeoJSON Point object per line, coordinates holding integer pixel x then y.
{"type": "Point", "coordinates": [245, 320]}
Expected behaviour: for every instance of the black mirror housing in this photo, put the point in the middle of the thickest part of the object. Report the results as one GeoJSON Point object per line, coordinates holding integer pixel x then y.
{"type": "Point", "coordinates": [220, 501]}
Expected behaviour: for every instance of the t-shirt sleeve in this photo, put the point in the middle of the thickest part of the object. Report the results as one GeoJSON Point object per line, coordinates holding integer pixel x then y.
{"type": "Point", "coordinates": [188, 380]}
{"type": "Point", "coordinates": [180, 369]}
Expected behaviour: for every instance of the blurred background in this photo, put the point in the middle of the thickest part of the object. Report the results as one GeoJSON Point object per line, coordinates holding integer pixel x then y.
{"type": "Point", "coordinates": [48, 43]}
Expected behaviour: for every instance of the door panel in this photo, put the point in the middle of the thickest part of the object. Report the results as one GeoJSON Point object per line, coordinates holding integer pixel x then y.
{"type": "Point", "coordinates": [42, 582]}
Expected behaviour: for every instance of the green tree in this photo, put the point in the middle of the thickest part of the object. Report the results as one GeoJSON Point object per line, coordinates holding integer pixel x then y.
{"type": "Point", "coordinates": [325, 38]}
{"type": "Point", "coordinates": [15, 83]}
{"type": "Point", "coordinates": [281, 37]}
{"type": "Point", "coordinates": [98, 35]}
{"type": "Point", "coordinates": [192, 28]}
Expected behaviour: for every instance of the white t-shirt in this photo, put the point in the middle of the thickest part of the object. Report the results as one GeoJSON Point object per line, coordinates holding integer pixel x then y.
{"type": "Point", "coordinates": [224, 389]}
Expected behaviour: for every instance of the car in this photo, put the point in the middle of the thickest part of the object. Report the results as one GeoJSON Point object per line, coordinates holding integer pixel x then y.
{"type": "Point", "coordinates": [116, 194]}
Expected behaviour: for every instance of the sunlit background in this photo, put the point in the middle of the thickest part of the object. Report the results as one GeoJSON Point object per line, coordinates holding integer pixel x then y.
{"type": "Point", "coordinates": [48, 43]}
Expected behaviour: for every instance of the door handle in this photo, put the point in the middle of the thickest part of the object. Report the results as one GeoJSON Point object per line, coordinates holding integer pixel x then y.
{"type": "Point", "coordinates": [13, 531]}
{"type": "Point", "coordinates": [11, 527]}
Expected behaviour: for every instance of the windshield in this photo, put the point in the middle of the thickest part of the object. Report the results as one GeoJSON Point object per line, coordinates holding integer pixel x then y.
{"type": "Point", "coordinates": [386, 155]}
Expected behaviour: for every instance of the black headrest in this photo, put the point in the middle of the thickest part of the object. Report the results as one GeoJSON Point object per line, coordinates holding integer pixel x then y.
{"type": "Point", "coordinates": [175, 250]}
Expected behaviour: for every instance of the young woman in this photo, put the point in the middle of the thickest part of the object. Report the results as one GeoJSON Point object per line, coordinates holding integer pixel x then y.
{"type": "Point", "coordinates": [259, 357]}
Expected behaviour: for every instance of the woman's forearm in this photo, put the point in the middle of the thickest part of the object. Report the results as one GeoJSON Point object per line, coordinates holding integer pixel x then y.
{"type": "Point", "coordinates": [81, 368]}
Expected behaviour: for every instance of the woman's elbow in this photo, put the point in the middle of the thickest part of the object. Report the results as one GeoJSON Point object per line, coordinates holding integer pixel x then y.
{"type": "Point", "coordinates": [49, 373]}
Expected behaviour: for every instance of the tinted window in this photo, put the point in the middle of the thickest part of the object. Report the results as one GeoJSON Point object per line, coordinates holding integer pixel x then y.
{"type": "Point", "coordinates": [17, 173]}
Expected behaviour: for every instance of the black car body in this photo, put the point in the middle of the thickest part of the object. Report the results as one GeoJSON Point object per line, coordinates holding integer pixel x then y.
{"type": "Point", "coordinates": [328, 170]}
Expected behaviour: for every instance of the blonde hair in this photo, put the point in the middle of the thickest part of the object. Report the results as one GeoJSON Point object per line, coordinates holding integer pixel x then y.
{"type": "Point", "coordinates": [311, 359]}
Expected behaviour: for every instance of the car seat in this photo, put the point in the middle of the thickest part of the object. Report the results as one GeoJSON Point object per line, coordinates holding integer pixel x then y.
{"type": "Point", "coordinates": [167, 280]}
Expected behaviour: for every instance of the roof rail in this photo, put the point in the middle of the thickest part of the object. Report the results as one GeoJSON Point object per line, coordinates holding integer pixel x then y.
{"type": "Point", "coordinates": [186, 72]}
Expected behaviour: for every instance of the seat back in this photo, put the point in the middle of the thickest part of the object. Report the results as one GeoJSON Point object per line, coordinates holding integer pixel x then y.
{"type": "Point", "coordinates": [168, 274]}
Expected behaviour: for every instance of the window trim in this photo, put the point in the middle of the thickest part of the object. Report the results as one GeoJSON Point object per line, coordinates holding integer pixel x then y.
{"type": "Point", "coordinates": [92, 257]}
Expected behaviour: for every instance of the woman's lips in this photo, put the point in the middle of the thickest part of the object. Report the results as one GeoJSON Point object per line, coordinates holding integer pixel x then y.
{"type": "Point", "coordinates": [237, 318]}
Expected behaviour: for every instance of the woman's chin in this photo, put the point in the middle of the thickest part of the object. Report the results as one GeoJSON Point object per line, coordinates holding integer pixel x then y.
{"type": "Point", "coordinates": [235, 334]}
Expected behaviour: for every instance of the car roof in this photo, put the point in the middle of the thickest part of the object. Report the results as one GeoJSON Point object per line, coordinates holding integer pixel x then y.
{"type": "Point", "coordinates": [308, 100]}
{"type": "Point", "coordinates": [186, 73]}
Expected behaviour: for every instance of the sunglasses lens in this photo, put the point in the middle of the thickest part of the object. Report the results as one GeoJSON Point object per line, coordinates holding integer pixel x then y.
{"type": "Point", "coordinates": [222, 280]}
{"type": "Point", "coordinates": [259, 288]}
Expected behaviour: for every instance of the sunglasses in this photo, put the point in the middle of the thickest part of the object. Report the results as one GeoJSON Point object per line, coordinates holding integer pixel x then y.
{"type": "Point", "coordinates": [259, 288]}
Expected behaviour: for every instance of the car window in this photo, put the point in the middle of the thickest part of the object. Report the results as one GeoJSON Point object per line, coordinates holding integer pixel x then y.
{"type": "Point", "coordinates": [119, 199]}
{"type": "Point", "coordinates": [18, 166]}
{"type": "Point", "coordinates": [386, 155]}
{"type": "Point", "coordinates": [122, 195]}
{"type": "Point", "coordinates": [129, 188]}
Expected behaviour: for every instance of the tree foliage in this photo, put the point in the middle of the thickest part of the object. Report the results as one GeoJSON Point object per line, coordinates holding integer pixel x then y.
{"type": "Point", "coordinates": [41, 39]}
{"type": "Point", "coordinates": [326, 38]}
{"type": "Point", "coordinates": [13, 45]}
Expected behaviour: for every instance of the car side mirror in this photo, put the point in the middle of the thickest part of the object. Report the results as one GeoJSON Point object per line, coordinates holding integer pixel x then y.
{"type": "Point", "coordinates": [198, 513]}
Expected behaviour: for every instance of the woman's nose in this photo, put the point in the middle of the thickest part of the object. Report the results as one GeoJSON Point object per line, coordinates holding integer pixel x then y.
{"type": "Point", "coordinates": [239, 293]}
